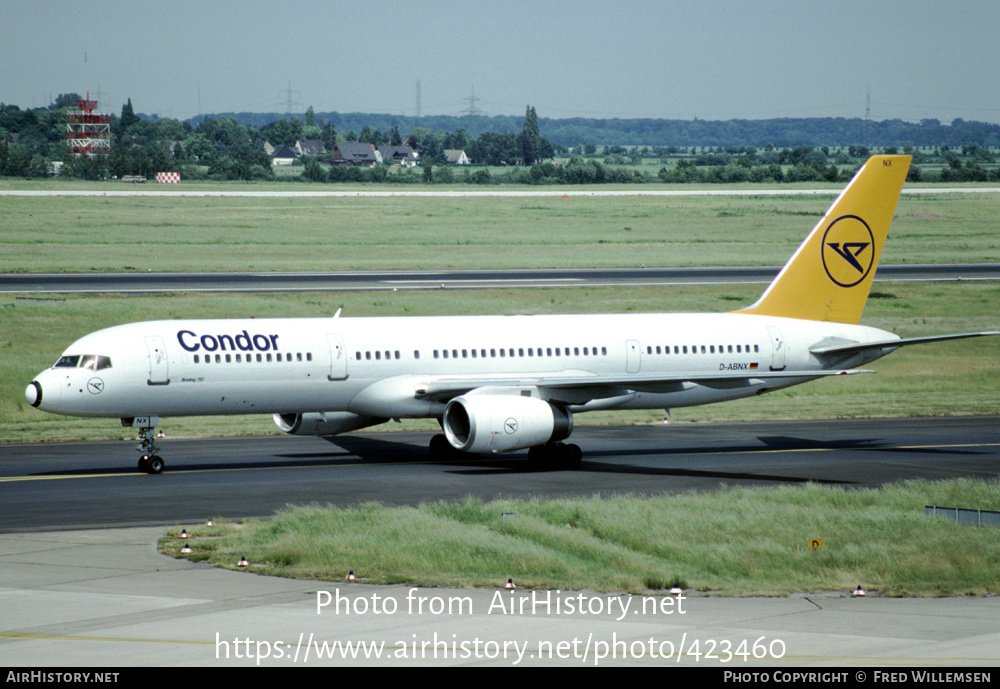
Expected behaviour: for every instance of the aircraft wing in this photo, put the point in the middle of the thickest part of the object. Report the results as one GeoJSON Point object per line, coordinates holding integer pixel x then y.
{"type": "Point", "coordinates": [578, 387]}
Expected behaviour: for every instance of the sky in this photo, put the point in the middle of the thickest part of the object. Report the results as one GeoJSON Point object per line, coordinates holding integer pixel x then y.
{"type": "Point", "coordinates": [671, 59]}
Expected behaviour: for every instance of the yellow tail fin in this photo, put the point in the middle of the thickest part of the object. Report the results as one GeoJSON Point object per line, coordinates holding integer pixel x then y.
{"type": "Point", "coordinates": [829, 276]}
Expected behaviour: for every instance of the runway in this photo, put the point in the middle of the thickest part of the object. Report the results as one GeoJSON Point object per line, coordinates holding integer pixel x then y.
{"type": "Point", "coordinates": [105, 598]}
{"type": "Point", "coordinates": [137, 283]}
{"type": "Point", "coordinates": [94, 485]}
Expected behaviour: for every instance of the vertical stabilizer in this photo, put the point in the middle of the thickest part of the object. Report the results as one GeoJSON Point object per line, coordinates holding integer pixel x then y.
{"type": "Point", "coordinates": [829, 276]}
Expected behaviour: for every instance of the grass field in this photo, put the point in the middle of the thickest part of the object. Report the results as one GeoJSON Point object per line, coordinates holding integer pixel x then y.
{"type": "Point", "coordinates": [287, 234]}
{"type": "Point", "coordinates": [739, 541]}
{"type": "Point", "coordinates": [746, 541]}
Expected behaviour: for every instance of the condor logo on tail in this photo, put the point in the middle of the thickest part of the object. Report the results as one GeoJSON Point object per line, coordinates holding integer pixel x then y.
{"type": "Point", "coordinates": [848, 250]}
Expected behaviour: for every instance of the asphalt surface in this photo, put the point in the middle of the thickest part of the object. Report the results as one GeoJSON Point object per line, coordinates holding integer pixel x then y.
{"type": "Point", "coordinates": [90, 485]}
{"type": "Point", "coordinates": [105, 599]}
{"type": "Point", "coordinates": [135, 283]}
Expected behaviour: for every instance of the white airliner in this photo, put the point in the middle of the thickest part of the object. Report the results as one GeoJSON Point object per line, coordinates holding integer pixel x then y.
{"type": "Point", "coordinates": [497, 383]}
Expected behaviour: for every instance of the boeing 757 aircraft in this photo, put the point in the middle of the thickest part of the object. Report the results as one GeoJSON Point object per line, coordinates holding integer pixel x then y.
{"type": "Point", "coordinates": [498, 383]}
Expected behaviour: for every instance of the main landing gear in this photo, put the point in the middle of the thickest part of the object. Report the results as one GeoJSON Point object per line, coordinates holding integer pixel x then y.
{"type": "Point", "coordinates": [150, 462]}
{"type": "Point", "coordinates": [442, 450]}
{"type": "Point", "coordinates": [542, 457]}
{"type": "Point", "coordinates": [555, 456]}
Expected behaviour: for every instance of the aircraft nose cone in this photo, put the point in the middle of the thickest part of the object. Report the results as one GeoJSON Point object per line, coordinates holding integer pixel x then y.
{"type": "Point", "coordinates": [33, 393]}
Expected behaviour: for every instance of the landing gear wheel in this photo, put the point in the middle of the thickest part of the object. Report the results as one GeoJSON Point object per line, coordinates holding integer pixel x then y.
{"type": "Point", "coordinates": [155, 464]}
{"type": "Point", "coordinates": [151, 464]}
{"type": "Point", "coordinates": [441, 449]}
{"type": "Point", "coordinates": [555, 456]}
{"type": "Point", "coordinates": [573, 455]}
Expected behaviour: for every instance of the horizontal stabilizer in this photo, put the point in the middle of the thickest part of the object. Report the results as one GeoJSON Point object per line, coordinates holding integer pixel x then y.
{"type": "Point", "coordinates": [854, 347]}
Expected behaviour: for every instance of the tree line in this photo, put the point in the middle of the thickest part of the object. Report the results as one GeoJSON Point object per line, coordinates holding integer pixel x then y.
{"type": "Point", "coordinates": [505, 150]}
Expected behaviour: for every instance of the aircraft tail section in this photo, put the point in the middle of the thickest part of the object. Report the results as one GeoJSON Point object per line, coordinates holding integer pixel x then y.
{"type": "Point", "coordinates": [829, 276]}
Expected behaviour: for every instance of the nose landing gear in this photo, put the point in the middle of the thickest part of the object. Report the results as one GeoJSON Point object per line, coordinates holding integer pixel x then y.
{"type": "Point", "coordinates": [150, 462]}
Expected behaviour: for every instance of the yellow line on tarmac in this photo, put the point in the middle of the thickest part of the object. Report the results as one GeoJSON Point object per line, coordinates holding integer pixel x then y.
{"type": "Point", "coordinates": [57, 477]}
{"type": "Point", "coordinates": [694, 451]}
{"type": "Point", "coordinates": [116, 639]}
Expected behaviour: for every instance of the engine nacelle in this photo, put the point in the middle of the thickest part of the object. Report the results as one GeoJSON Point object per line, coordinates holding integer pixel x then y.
{"type": "Point", "coordinates": [498, 423]}
{"type": "Point", "coordinates": [324, 422]}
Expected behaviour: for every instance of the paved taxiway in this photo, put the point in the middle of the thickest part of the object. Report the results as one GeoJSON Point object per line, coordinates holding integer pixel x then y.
{"type": "Point", "coordinates": [85, 485]}
{"type": "Point", "coordinates": [105, 598]}
{"type": "Point", "coordinates": [138, 283]}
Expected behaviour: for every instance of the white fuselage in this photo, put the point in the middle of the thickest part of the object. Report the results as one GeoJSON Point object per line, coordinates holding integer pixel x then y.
{"type": "Point", "coordinates": [378, 367]}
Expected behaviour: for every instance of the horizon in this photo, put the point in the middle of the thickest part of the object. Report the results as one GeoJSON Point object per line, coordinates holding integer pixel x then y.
{"type": "Point", "coordinates": [710, 60]}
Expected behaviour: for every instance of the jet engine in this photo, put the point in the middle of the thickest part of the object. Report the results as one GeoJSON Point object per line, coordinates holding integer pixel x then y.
{"type": "Point", "coordinates": [498, 423]}
{"type": "Point", "coordinates": [324, 423]}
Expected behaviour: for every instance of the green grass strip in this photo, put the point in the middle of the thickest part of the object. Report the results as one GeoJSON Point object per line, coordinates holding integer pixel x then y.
{"type": "Point", "coordinates": [736, 541]}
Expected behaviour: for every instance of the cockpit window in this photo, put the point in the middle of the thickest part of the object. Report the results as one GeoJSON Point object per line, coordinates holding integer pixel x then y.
{"type": "Point", "coordinates": [91, 362]}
